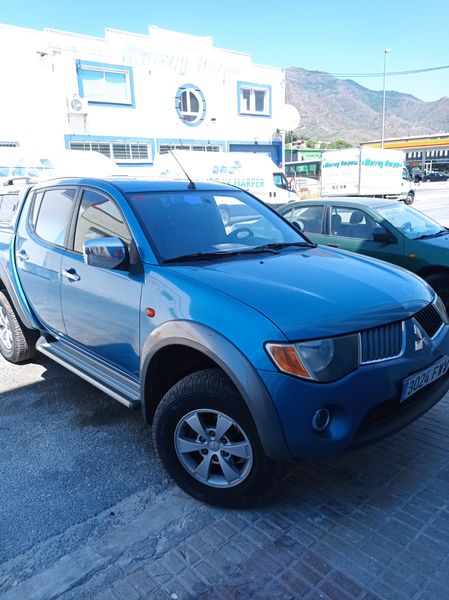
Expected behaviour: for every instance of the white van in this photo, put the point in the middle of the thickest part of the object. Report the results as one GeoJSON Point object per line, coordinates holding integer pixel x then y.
{"type": "Point", "coordinates": [253, 172]}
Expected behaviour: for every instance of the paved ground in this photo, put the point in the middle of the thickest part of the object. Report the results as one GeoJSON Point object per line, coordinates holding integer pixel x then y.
{"type": "Point", "coordinates": [433, 199]}
{"type": "Point", "coordinates": [373, 524]}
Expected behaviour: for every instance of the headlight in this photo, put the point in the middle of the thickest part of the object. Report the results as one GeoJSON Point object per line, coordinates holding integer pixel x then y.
{"type": "Point", "coordinates": [442, 310]}
{"type": "Point", "coordinates": [318, 360]}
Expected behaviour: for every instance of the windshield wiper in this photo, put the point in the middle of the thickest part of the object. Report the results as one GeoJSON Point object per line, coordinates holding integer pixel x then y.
{"type": "Point", "coordinates": [431, 235]}
{"type": "Point", "coordinates": [282, 245]}
{"type": "Point", "coordinates": [274, 248]}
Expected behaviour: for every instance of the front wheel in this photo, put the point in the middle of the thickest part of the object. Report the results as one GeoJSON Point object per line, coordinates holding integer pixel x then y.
{"type": "Point", "coordinates": [207, 441]}
{"type": "Point", "coordinates": [409, 198]}
{"type": "Point", "coordinates": [17, 343]}
{"type": "Point", "coordinates": [440, 283]}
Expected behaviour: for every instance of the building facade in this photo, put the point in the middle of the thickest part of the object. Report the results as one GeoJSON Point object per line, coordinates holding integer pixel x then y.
{"type": "Point", "coordinates": [129, 96]}
{"type": "Point", "coordinates": [426, 152]}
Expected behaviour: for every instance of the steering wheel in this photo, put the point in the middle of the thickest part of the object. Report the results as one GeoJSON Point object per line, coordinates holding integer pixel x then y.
{"type": "Point", "coordinates": [407, 226]}
{"type": "Point", "coordinates": [242, 233]}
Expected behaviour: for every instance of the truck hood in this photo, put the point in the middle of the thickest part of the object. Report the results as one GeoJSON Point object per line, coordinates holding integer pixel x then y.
{"type": "Point", "coordinates": [317, 292]}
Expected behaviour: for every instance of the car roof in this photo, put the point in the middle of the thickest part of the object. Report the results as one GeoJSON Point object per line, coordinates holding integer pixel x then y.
{"type": "Point", "coordinates": [359, 202]}
{"type": "Point", "coordinates": [138, 184]}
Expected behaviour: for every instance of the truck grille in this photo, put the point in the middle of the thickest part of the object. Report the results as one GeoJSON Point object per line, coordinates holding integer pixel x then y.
{"type": "Point", "coordinates": [382, 343]}
{"type": "Point", "coordinates": [429, 319]}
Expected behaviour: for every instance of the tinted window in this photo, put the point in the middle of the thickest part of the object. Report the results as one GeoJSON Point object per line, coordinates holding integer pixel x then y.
{"type": "Point", "coordinates": [99, 217]}
{"type": "Point", "coordinates": [8, 206]}
{"type": "Point", "coordinates": [353, 223]}
{"type": "Point", "coordinates": [51, 215]}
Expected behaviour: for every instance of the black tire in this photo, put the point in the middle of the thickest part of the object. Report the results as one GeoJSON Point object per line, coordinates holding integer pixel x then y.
{"type": "Point", "coordinates": [409, 199]}
{"type": "Point", "coordinates": [17, 343]}
{"type": "Point", "coordinates": [440, 283]}
{"type": "Point", "coordinates": [202, 394]}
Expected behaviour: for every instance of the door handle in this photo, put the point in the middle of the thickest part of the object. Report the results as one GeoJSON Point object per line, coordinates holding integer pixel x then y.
{"type": "Point", "coordinates": [334, 245]}
{"type": "Point", "coordinates": [71, 275]}
{"type": "Point", "coordinates": [22, 255]}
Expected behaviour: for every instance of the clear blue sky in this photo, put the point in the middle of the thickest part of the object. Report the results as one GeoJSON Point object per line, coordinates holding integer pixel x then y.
{"type": "Point", "coordinates": [337, 36]}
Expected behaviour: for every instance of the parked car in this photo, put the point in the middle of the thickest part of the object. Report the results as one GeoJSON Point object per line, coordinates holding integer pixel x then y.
{"type": "Point", "coordinates": [436, 176]}
{"type": "Point", "coordinates": [242, 347]}
{"type": "Point", "coordinates": [379, 228]}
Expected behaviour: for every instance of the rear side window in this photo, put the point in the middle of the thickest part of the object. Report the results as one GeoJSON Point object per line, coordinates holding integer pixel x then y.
{"type": "Point", "coordinates": [8, 206]}
{"type": "Point", "coordinates": [51, 215]}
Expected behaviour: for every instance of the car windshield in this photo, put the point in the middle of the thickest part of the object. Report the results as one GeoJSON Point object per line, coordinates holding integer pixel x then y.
{"type": "Point", "coordinates": [211, 225]}
{"type": "Point", "coordinates": [410, 221]}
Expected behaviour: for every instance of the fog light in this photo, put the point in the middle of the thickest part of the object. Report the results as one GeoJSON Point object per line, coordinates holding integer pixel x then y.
{"type": "Point", "coordinates": [321, 419]}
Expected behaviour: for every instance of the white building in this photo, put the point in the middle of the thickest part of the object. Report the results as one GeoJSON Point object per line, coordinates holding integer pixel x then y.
{"type": "Point", "coordinates": [129, 95]}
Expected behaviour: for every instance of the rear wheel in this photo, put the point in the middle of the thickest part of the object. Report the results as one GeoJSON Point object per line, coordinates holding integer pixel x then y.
{"type": "Point", "coordinates": [17, 343]}
{"type": "Point", "coordinates": [440, 283]}
{"type": "Point", "coordinates": [207, 441]}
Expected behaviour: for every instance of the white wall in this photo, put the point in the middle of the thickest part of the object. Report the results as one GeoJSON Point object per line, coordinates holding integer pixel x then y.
{"type": "Point", "coordinates": [39, 71]}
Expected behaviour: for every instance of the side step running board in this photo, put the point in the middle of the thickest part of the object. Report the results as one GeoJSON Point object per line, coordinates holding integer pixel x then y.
{"type": "Point", "coordinates": [106, 379]}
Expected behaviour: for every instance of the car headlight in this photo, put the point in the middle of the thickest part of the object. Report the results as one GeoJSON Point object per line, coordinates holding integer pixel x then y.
{"type": "Point", "coordinates": [318, 360]}
{"type": "Point", "coordinates": [442, 310]}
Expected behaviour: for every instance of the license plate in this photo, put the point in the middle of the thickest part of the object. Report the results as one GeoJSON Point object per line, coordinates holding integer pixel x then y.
{"type": "Point", "coordinates": [416, 382]}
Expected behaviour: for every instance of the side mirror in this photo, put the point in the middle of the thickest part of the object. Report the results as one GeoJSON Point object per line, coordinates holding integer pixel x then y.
{"type": "Point", "coordinates": [299, 225]}
{"type": "Point", "coordinates": [106, 253]}
{"type": "Point", "coordinates": [384, 237]}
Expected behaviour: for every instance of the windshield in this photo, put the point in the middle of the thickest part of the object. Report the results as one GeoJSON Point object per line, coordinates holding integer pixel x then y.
{"type": "Point", "coordinates": [181, 224]}
{"type": "Point", "coordinates": [410, 221]}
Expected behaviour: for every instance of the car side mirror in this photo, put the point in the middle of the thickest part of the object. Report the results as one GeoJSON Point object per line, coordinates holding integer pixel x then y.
{"type": "Point", "coordinates": [299, 225]}
{"type": "Point", "coordinates": [106, 253]}
{"type": "Point", "coordinates": [384, 237]}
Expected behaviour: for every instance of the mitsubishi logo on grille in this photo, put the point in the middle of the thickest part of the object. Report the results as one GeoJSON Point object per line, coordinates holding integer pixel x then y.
{"type": "Point", "coordinates": [420, 337]}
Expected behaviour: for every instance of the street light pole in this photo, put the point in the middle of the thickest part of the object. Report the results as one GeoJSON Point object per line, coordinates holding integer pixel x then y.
{"type": "Point", "coordinates": [386, 51]}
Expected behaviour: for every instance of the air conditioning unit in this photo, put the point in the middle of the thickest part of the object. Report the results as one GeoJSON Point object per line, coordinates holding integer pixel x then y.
{"type": "Point", "coordinates": [77, 105]}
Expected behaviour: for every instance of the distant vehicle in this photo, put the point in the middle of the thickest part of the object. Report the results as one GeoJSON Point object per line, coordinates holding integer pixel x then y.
{"type": "Point", "coordinates": [304, 175]}
{"type": "Point", "coordinates": [366, 172]}
{"type": "Point", "coordinates": [436, 176]}
{"type": "Point", "coordinates": [253, 172]}
{"type": "Point", "coordinates": [381, 229]}
{"type": "Point", "coordinates": [18, 167]}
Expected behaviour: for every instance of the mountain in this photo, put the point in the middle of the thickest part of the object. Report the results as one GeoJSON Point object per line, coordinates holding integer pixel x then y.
{"type": "Point", "coordinates": [332, 108]}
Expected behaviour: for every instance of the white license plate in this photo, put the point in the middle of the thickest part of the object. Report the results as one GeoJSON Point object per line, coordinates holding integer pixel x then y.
{"type": "Point", "coordinates": [416, 382]}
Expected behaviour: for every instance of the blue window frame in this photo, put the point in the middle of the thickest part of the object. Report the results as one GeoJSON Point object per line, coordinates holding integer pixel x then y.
{"type": "Point", "coordinates": [190, 105]}
{"type": "Point", "coordinates": [105, 84]}
{"type": "Point", "coordinates": [254, 99]}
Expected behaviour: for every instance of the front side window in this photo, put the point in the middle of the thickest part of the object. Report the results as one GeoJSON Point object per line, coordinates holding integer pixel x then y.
{"type": "Point", "coordinates": [51, 214]}
{"type": "Point", "coordinates": [353, 223]}
{"type": "Point", "coordinates": [105, 83]}
{"type": "Point", "coordinates": [99, 217]}
{"type": "Point", "coordinates": [190, 104]}
{"type": "Point", "coordinates": [254, 99]}
{"type": "Point", "coordinates": [224, 225]}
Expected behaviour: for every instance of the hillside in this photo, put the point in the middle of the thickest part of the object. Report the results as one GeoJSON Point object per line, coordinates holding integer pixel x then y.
{"type": "Point", "coordinates": [332, 108]}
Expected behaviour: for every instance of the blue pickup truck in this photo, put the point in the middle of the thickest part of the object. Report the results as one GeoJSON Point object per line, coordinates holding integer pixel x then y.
{"type": "Point", "coordinates": [243, 346]}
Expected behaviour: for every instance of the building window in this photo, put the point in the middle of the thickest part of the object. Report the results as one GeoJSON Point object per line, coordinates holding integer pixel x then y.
{"type": "Point", "coordinates": [105, 84]}
{"type": "Point", "coordinates": [164, 148]}
{"type": "Point", "coordinates": [120, 151]}
{"type": "Point", "coordinates": [254, 99]}
{"type": "Point", "coordinates": [190, 105]}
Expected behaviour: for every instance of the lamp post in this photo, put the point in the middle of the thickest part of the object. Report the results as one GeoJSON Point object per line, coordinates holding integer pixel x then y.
{"type": "Point", "coordinates": [386, 51]}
